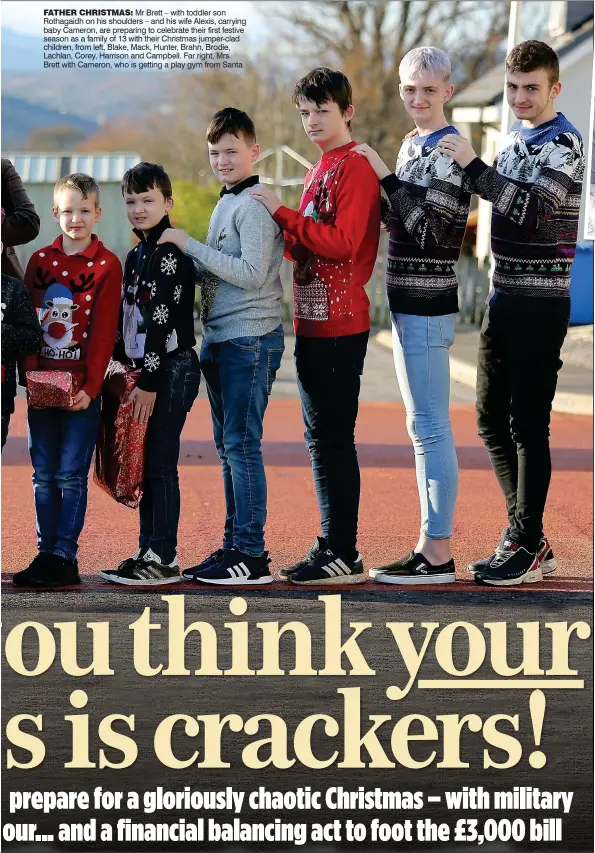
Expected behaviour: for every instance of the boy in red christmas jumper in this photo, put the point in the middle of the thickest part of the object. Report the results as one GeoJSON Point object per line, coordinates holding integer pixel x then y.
{"type": "Point", "coordinates": [75, 284]}
{"type": "Point", "coordinates": [333, 241]}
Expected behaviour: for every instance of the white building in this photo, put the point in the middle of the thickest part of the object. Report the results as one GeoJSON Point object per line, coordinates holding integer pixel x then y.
{"type": "Point", "coordinates": [477, 110]}
{"type": "Point", "coordinates": [39, 173]}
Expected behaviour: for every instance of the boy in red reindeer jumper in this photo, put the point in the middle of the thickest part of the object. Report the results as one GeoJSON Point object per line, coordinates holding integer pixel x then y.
{"type": "Point", "coordinates": [75, 284]}
{"type": "Point", "coordinates": [333, 241]}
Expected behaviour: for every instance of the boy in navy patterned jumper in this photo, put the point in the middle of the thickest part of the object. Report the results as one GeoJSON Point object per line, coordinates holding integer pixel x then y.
{"type": "Point", "coordinates": [535, 188]}
{"type": "Point", "coordinates": [429, 202]}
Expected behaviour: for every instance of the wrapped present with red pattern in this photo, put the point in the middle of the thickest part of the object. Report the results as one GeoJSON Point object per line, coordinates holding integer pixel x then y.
{"type": "Point", "coordinates": [51, 389]}
{"type": "Point", "coordinates": [120, 449]}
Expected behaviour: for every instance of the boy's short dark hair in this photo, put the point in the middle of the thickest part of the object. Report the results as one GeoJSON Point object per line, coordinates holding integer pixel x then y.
{"type": "Point", "coordinates": [533, 56]}
{"type": "Point", "coordinates": [146, 176]}
{"type": "Point", "coordinates": [85, 184]}
{"type": "Point", "coordinates": [230, 120]}
{"type": "Point", "coordinates": [323, 85]}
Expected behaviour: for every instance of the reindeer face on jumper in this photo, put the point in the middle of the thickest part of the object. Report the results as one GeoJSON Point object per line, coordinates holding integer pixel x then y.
{"type": "Point", "coordinates": [56, 317]}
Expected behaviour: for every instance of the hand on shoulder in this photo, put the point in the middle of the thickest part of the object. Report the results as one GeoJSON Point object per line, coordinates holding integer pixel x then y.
{"type": "Point", "coordinates": [266, 197]}
{"type": "Point", "coordinates": [174, 235]}
{"type": "Point", "coordinates": [378, 165]}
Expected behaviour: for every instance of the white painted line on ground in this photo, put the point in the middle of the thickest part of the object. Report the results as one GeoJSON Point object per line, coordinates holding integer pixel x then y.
{"type": "Point", "coordinates": [466, 373]}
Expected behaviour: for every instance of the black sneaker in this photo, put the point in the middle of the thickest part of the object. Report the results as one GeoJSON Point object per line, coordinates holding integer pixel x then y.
{"type": "Point", "coordinates": [327, 568]}
{"type": "Point", "coordinates": [207, 563]}
{"type": "Point", "coordinates": [513, 567]}
{"type": "Point", "coordinates": [503, 546]}
{"type": "Point", "coordinates": [416, 569]}
{"type": "Point", "coordinates": [317, 547]}
{"type": "Point", "coordinates": [124, 566]}
{"type": "Point", "coordinates": [144, 571]}
{"type": "Point", "coordinates": [57, 571]}
{"type": "Point", "coordinates": [33, 570]}
{"type": "Point", "coordinates": [237, 569]}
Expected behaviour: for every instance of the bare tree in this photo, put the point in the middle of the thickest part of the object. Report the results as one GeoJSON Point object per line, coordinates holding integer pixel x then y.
{"type": "Point", "coordinates": [368, 40]}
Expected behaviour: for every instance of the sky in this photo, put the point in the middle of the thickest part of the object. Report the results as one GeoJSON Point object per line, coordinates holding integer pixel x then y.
{"type": "Point", "coordinates": [14, 16]}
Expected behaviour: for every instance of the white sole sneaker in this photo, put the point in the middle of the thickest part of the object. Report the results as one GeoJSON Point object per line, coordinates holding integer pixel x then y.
{"type": "Point", "coordinates": [414, 580]}
{"type": "Point", "coordinates": [373, 572]}
{"type": "Point", "coordinates": [534, 575]}
{"type": "Point", "coordinates": [139, 582]}
{"type": "Point", "coordinates": [339, 580]}
{"type": "Point", "coordinates": [236, 581]}
{"type": "Point", "coordinates": [548, 567]}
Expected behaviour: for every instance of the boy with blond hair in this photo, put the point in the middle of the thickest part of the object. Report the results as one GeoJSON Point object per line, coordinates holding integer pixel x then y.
{"type": "Point", "coordinates": [429, 199]}
{"type": "Point", "coordinates": [75, 284]}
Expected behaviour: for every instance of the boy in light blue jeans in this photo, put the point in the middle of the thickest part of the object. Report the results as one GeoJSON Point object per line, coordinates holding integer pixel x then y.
{"type": "Point", "coordinates": [429, 201]}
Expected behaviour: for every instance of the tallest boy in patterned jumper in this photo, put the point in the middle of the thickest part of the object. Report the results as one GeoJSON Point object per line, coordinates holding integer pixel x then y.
{"type": "Point", "coordinates": [535, 189]}
{"type": "Point", "coordinates": [333, 241]}
{"type": "Point", "coordinates": [429, 201]}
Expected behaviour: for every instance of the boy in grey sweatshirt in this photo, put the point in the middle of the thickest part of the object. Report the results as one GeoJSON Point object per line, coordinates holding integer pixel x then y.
{"type": "Point", "coordinates": [241, 291]}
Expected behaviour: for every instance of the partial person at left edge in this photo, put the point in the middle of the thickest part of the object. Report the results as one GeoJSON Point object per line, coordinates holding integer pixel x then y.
{"type": "Point", "coordinates": [20, 224]}
{"type": "Point", "coordinates": [75, 284]}
{"type": "Point", "coordinates": [21, 336]}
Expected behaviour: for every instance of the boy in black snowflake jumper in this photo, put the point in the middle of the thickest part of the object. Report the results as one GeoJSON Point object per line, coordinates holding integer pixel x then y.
{"type": "Point", "coordinates": [156, 334]}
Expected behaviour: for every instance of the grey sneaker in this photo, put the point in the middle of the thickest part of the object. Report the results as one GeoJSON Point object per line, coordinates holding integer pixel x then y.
{"type": "Point", "coordinates": [144, 571]}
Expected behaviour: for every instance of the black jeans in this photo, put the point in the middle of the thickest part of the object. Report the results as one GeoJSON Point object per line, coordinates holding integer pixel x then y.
{"type": "Point", "coordinates": [329, 376]}
{"type": "Point", "coordinates": [517, 373]}
{"type": "Point", "coordinates": [159, 507]}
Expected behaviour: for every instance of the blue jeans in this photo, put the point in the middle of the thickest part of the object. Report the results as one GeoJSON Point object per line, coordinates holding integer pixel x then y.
{"type": "Point", "coordinates": [159, 507]}
{"type": "Point", "coordinates": [61, 445]}
{"type": "Point", "coordinates": [239, 374]}
{"type": "Point", "coordinates": [420, 349]}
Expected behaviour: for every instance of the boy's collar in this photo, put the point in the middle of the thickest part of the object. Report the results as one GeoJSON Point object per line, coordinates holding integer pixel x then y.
{"type": "Point", "coordinates": [151, 236]}
{"type": "Point", "coordinates": [339, 150]}
{"type": "Point", "coordinates": [238, 188]}
{"type": "Point", "coordinates": [89, 252]}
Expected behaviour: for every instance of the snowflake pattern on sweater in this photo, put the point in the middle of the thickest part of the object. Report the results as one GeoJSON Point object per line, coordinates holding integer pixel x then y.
{"type": "Point", "coordinates": [157, 312]}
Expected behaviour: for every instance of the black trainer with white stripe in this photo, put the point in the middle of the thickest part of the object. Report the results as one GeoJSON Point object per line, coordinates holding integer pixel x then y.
{"type": "Point", "coordinates": [207, 563]}
{"type": "Point", "coordinates": [237, 569]}
{"type": "Point", "coordinates": [330, 568]}
{"type": "Point", "coordinates": [147, 570]}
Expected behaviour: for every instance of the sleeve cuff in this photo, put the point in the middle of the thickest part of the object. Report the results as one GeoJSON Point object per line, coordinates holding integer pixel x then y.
{"type": "Point", "coordinates": [91, 391]}
{"type": "Point", "coordinates": [391, 184]}
{"type": "Point", "coordinates": [284, 216]}
{"type": "Point", "coordinates": [147, 382]}
{"type": "Point", "coordinates": [476, 168]}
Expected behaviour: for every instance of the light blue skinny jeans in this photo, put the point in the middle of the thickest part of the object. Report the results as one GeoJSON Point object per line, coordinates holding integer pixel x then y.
{"type": "Point", "coordinates": [420, 350]}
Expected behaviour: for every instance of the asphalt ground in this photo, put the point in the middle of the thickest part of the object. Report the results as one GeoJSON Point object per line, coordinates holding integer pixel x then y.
{"type": "Point", "coordinates": [389, 516]}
